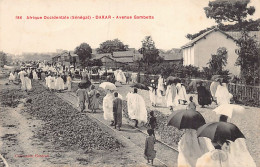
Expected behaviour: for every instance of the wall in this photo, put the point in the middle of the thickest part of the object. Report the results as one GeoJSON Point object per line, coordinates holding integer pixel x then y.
{"type": "Point", "coordinates": [204, 48]}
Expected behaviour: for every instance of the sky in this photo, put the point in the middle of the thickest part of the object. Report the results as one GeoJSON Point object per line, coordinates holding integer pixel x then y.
{"type": "Point", "coordinates": [173, 20]}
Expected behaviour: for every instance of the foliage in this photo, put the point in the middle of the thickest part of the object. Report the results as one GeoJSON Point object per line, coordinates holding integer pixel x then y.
{"type": "Point", "coordinates": [95, 62]}
{"type": "Point", "coordinates": [218, 61]}
{"type": "Point", "coordinates": [111, 46]}
{"type": "Point", "coordinates": [149, 51]}
{"type": "Point", "coordinates": [3, 59]}
{"type": "Point", "coordinates": [248, 58]}
{"type": "Point", "coordinates": [229, 11]}
{"type": "Point", "coordinates": [84, 52]}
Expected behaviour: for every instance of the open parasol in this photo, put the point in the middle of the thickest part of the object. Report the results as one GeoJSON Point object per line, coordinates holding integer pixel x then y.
{"type": "Point", "coordinates": [108, 86]}
{"type": "Point", "coordinates": [186, 119]}
{"type": "Point", "coordinates": [220, 131]}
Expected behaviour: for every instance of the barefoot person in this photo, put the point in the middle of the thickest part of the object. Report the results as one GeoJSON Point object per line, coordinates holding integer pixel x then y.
{"type": "Point", "coordinates": [149, 152]}
{"type": "Point", "coordinates": [117, 111]}
{"type": "Point", "coordinates": [136, 107]}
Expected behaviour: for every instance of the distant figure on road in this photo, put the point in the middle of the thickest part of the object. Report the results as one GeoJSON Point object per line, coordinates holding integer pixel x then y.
{"type": "Point", "coordinates": [93, 99]}
{"type": "Point", "coordinates": [11, 77]}
{"type": "Point", "coordinates": [117, 111]}
{"type": "Point", "coordinates": [152, 122]}
{"type": "Point", "coordinates": [171, 99]}
{"type": "Point", "coordinates": [81, 94]}
{"type": "Point", "coordinates": [59, 84]}
{"type": "Point", "coordinates": [213, 88]}
{"type": "Point", "coordinates": [161, 85]}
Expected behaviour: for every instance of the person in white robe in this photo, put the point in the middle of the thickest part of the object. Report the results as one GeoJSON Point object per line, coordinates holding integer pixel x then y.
{"type": "Point", "coordinates": [134, 77]}
{"type": "Point", "coordinates": [120, 77]}
{"type": "Point", "coordinates": [213, 88]}
{"type": "Point", "coordinates": [155, 94]}
{"type": "Point", "coordinates": [182, 95]}
{"type": "Point", "coordinates": [170, 96]}
{"type": "Point", "coordinates": [161, 85]}
{"type": "Point", "coordinates": [35, 77]}
{"type": "Point", "coordinates": [11, 77]}
{"type": "Point", "coordinates": [52, 83]}
{"type": "Point", "coordinates": [21, 75]}
{"type": "Point", "coordinates": [191, 147]}
{"type": "Point", "coordinates": [115, 73]}
{"type": "Point", "coordinates": [69, 80]}
{"type": "Point", "coordinates": [27, 83]}
{"type": "Point", "coordinates": [47, 81]}
{"type": "Point", "coordinates": [108, 106]}
{"type": "Point", "coordinates": [59, 83]}
{"type": "Point", "coordinates": [239, 152]}
{"type": "Point", "coordinates": [222, 94]}
{"type": "Point", "coordinates": [136, 108]}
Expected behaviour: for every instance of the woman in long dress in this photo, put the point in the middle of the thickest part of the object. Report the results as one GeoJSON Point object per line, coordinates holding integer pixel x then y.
{"type": "Point", "coordinates": [27, 83]}
{"type": "Point", "coordinates": [59, 84]}
{"type": "Point", "coordinates": [93, 99]}
{"type": "Point", "coordinates": [182, 95]}
{"type": "Point", "coordinates": [161, 85]}
{"type": "Point", "coordinates": [204, 96]}
{"type": "Point", "coordinates": [108, 106]}
{"type": "Point", "coordinates": [155, 94]}
{"type": "Point", "coordinates": [52, 82]}
{"type": "Point", "coordinates": [213, 88]}
{"type": "Point", "coordinates": [171, 96]}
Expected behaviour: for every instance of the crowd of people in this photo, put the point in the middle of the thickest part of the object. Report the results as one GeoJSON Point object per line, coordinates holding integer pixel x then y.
{"type": "Point", "coordinates": [193, 151]}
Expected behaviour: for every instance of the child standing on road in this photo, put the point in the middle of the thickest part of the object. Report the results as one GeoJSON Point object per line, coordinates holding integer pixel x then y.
{"type": "Point", "coordinates": [149, 152]}
{"type": "Point", "coordinates": [191, 105]}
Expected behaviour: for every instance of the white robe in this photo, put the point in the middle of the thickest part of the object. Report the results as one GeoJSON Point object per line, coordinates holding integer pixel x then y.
{"type": "Point", "coordinates": [222, 95]}
{"type": "Point", "coordinates": [120, 76]}
{"type": "Point", "coordinates": [160, 84]}
{"type": "Point", "coordinates": [182, 94]}
{"type": "Point", "coordinates": [191, 147]}
{"type": "Point", "coordinates": [217, 158]}
{"type": "Point", "coordinates": [108, 106]}
{"type": "Point", "coordinates": [59, 84]}
{"type": "Point", "coordinates": [11, 77]}
{"type": "Point", "coordinates": [35, 77]}
{"type": "Point", "coordinates": [168, 96]}
{"type": "Point", "coordinates": [136, 107]}
{"type": "Point", "coordinates": [47, 81]}
{"type": "Point", "coordinates": [52, 83]}
{"type": "Point", "coordinates": [21, 75]}
{"type": "Point", "coordinates": [155, 98]}
{"type": "Point", "coordinates": [27, 84]}
{"type": "Point", "coordinates": [240, 153]}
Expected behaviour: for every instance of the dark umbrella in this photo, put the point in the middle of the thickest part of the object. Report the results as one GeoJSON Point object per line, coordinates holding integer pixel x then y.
{"type": "Point", "coordinates": [170, 80]}
{"type": "Point", "coordinates": [220, 131]}
{"type": "Point", "coordinates": [140, 86]}
{"type": "Point", "coordinates": [84, 84]}
{"type": "Point", "coordinates": [186, 119]}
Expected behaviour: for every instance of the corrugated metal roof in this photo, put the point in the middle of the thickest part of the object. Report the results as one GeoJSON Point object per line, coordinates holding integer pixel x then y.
{"type": "Point", "coordinates": [175, 54]}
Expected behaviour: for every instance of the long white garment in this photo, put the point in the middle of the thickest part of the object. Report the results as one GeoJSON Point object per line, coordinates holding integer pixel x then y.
{"type": "Point", "coordinates": [155, 98]}
{"type": "Point", "coordinates": [213, 88]}
{"type": "Point", "coordinates": [217, 158]}
{"type": "Point", "coordinates": [160, 84]}
{"type": "Point", "coordinates": [222, 95]}
{"type": "Point", "coordinates": [115, 74]}
{"type": "Point", "coordinates": [120, 76]}
{"type": "Point", "coordinates": [191, 147]}
{"type": "Point", "coordinates": [11, 77]}
{"type": "Point", "coordinates": [47, 81]}
{"type": "Point", "coordinates": [35, 77]}
{"type": "Point", "coordinates": [168, 96]}
{"type": "Point", "coordinates": [182, 93]}
{"type": "Point", "coordinates": [108, 106]}
{"type": "Point", "coordinates": [59, 84]}
{"type": "Point", "coordinates": [52, 83]}
{"type": "Point", "coordinates": [229, 109]}
{"type": "Point", "coordinates": [136, 107]}
{"type": "Point", "coordinates": [27, 83]}
{"type": "Point", "coordinates": [240, 153]}
{"type": "Point", "coordinates": [21, 75]}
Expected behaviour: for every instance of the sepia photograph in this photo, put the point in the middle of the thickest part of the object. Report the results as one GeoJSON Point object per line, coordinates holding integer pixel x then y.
{"type": "Point", "coordinates": [130, 83]}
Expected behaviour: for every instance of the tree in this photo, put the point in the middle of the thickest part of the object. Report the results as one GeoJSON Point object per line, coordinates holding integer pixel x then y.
{"type": "Point", "coordinates": [3, 59]}
{"type": "Point", "coordinates": [95, 62]}
{"type": "Point", "coordinates": [218, 61]}
{"type": "Point", "coordinates": [149, 51]}
{"type": "Point", "coordinates": [84, 52]}
{"type": "Point", "coordinates": [111, 46]}
{"type": "Point", "coordinates": [229, 10]}
{"type": "Point", "coordinates": [248, 58]}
